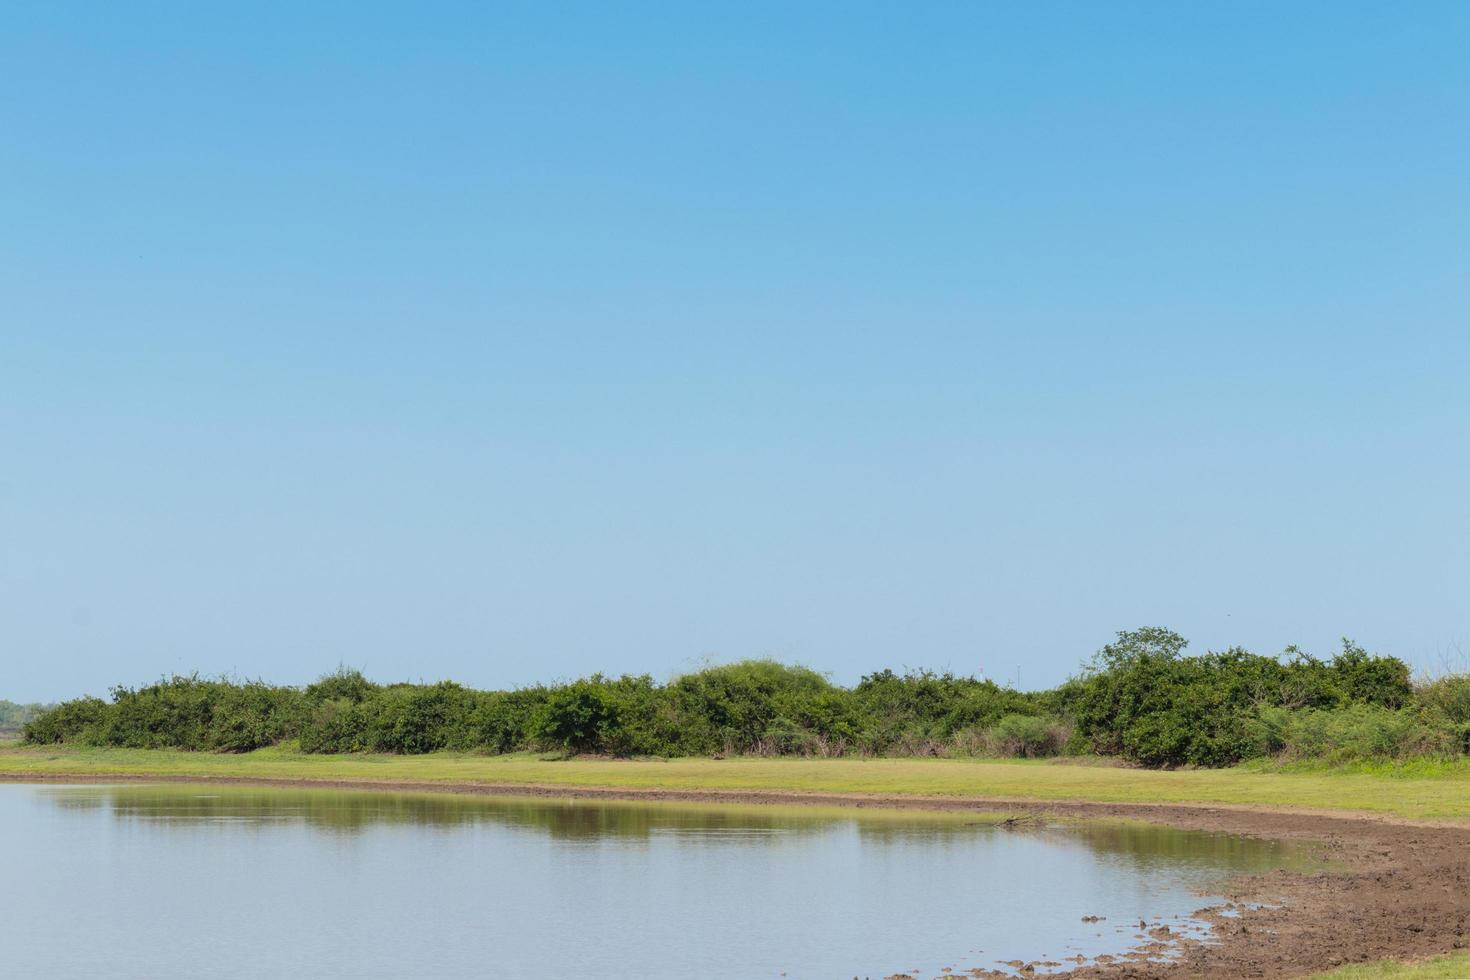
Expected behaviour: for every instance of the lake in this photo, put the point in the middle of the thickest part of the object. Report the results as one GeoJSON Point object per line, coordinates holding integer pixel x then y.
{"type": "Point", "coordinates": [232, 881]}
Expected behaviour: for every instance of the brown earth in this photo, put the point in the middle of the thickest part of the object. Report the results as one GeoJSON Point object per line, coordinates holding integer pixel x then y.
{"type": "Point", "coordinates": [1400, 889]}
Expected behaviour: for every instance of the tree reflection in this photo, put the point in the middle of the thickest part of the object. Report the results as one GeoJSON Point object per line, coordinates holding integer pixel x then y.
{"type": "Point", "coordinates": [1140, 846]}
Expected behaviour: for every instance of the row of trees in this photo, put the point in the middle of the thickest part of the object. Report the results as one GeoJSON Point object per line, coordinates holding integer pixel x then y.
{"type": "Point", "coordinates": [1141, 699]}
{"type": "Point", "coordinates": [14, 716]}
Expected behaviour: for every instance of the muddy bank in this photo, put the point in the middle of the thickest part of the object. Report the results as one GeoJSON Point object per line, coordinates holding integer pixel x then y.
{"type": "Point", "coordinates": [1401, 889]}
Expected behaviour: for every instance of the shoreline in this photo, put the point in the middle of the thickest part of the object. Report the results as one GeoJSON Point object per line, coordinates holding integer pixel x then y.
{"type": "Point", "coordinates": [1078, 807]}
{"type": "Point", "coordinates": [1398, 892]}
{"type": "Point", "coordinates": [1427, 797]}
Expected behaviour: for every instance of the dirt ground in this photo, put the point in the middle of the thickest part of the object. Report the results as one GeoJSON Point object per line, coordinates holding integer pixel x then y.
{"type": "Point", "coordinates": [1399, 889]}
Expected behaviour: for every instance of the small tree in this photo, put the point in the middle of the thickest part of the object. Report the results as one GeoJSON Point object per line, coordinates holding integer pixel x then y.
{"type": "Point", "coordinates": [575, 717]}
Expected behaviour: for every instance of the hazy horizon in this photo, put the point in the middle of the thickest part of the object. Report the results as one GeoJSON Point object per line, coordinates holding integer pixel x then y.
{"type": "Point", "coordinates": [512, 344]}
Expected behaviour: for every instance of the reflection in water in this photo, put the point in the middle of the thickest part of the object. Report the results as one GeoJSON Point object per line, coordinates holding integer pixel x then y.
{"type": "Point", "coordinates": [347, 811]}
{"type": "Point", "coordinates": [322, 883]}
{"type": "Point", "coordinates": [1149, 847]}
{"type": "Point", "coordinates": [1143, 845]}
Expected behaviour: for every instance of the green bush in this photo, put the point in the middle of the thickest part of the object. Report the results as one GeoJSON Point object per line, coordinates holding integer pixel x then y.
{"type": "Point", "coordinates": [413, 719]}
{"type": "Point", "coordinates": [342, 684]}
{"type": "Point", "coordinates": [735, 708]}
{"type": "Point", "coordinates": [1365, 731]}
{"type": "Point", "coordinates": [1366, 679]}
{"type": "Point", "coordinates": [578, 717]}
{"type": "Point", "coordinates": [1027, 737]}
{"type": "Point", "coordinates": [825, 723]}
{"type": "Point", "coordinates": [1141, 698]}
{"type": "Point", "coordinates": [500, 721]}
{"type": "Point", "coordinates": [69, 721]}
{"type": "Point", "coordinates": [335, 726]}
{"type": "Point", "coordinates": [922, 712]}
{"type": "Point", "coordinates": [183, 713]}
{"type": "Point", "coordinates": [1448, 695]}
{"type": "Point", "coordinates": [1448, 698]}
{"type": "Point", "coordinates": [250, 716]}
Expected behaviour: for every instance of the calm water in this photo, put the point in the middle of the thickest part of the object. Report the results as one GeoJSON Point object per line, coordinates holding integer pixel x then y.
{"type": "Point", "coordinates": [155, 881]}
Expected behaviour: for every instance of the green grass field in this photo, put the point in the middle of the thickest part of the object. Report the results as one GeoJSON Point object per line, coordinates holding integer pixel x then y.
{"type": "Point", "coordinates": [1455, 967]}
{"type": "Point", "coordinates": [1431, 794]}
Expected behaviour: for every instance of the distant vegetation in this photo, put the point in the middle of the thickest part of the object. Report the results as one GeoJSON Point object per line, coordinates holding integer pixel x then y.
{"type": "Point", "coordinates": [14, 716]}
{"type": "Point", "coordinates": [1140, 699]}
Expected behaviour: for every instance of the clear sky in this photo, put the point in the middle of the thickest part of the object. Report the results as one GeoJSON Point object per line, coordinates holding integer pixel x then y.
{"type": "Point", "coordinates": [508, 342]}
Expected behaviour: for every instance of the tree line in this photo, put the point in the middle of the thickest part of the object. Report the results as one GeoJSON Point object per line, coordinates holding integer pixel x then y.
{"type": "Point", "coordinates": [14, 716]}
{"type": "Point", "coordinates": [1140, 699]}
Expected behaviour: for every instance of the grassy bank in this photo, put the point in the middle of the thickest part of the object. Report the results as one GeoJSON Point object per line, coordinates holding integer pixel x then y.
{"type": "Point", "coordinates": [1427, 794]}
{"type": "Point", "coordinates": [1455, 967]}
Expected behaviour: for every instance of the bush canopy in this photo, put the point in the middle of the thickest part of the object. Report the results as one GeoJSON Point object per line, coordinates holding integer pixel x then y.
{"type": "Point", "coordinates": [1141, 698]}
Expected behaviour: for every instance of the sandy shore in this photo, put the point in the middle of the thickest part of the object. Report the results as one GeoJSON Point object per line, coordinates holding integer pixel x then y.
{"type": "Point", "coordinates": [1401, 889]}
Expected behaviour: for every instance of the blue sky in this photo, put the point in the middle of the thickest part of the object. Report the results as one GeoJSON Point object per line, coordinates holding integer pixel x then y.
{"type": "Point", "coordinates": [512, 342]}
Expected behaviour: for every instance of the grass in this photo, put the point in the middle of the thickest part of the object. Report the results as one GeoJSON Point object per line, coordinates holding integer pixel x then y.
{"type": "Point", "coordinates": [1438, 794]}
{"type": "Point", "coordinates": [1455, 967]}
{"type": "Point", "coordinates": [1417, 767]}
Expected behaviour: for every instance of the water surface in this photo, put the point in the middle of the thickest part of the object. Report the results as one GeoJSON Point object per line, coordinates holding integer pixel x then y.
{"type": "Point", "coordinates": [188, 880]}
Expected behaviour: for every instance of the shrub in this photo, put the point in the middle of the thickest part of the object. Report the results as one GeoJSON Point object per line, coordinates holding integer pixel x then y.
{"type": "Point", "coordinates": [577, 717]}
{"type": "Point", "coordinates": [824, 722]}
{"type": "Point", "coordinates": [1449, 695]}
{"type": "Point", "coordinates": [1364, 731]}
{"type": "Point", "coordinates": [412, 718]}
{"type": "Point", "coordinates": [1368, 679]}
{"type": "Point", "coordinates": [500, 721]}
{"type": "Point", "coordinates": [251, 716]}
{"type": "Point", "coordinates": [1140, 698]}
{"type": "Point", "coordinates": [735, 708]}
{"type": "Point", "coordinates": [921, 712]}
{"type": "Point", "coordinates": [67, 722]}
{"type": "Point", "coordinates": [1027, 737]}
{"type": "Point", "coordinates": [342, 684]}
{"type": "Point", "coordinates": [333, 726]}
